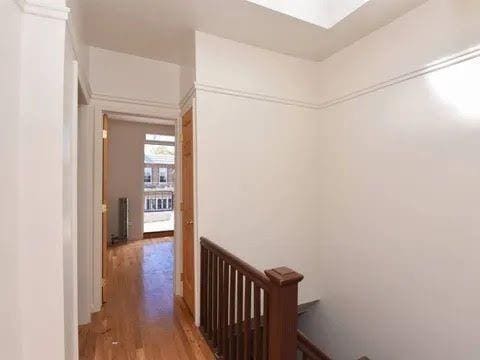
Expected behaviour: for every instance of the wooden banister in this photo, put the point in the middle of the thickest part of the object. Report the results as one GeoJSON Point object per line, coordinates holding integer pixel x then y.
{"type": "Point", "coordinates": [244, 313]}
{"type": "Point", "coordinates": [308, 350]}
{"type": "Point", "coordinates": [249, 315]}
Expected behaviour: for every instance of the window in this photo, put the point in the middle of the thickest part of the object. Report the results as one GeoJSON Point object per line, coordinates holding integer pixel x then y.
{"type": "Point", "coordinates": [160, 138]}
{"type": "Point", "coordinates": [160, 202]}
{"type": "Point", "coordinates": [150, 204]}
{"type": "Point", "coordinates": [147, 175]}
{"type": "Point", "coordinates": [162, 175]}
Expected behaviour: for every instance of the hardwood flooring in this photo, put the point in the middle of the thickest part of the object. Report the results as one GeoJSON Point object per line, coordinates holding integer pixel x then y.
{"type": "Point", "coordinates": [142, 319]}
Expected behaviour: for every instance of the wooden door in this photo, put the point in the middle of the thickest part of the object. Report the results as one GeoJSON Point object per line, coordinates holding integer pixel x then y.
{"type": "Point", "coordinates": [104, 205]}
{"type": "Point", "coordinates": [187, 208]}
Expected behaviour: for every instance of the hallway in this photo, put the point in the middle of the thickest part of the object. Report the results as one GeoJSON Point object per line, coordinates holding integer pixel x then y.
{"type": "Point", "coordinates": [142, 320]}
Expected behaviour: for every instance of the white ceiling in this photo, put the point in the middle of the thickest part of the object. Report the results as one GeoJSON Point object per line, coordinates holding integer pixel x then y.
{"type": "Point", "coordinates": [164, 29]}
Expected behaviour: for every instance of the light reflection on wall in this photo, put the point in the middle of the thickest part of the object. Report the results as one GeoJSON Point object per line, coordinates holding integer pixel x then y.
{"type": "Point", "coordinates": [459, 87]}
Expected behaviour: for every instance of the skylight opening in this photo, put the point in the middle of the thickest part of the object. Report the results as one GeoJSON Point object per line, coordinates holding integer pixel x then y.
{"type": "Point", "coordinates": [323, 13]}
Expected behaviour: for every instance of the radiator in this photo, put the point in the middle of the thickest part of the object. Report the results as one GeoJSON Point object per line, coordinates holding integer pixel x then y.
{"type": "Point", "coordinates": [123, 219]}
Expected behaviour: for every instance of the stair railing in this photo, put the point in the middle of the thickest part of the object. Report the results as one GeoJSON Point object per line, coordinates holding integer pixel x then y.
{"type": "Point", "coordinates": [244, 313]}
{"type": "Point", "coordinates": [308, 350]}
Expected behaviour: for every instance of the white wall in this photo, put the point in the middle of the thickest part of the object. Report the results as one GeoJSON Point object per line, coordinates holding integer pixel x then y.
{"type": "Point", "coordinates": [76, 32]}
{"type": "Point", "coordinates": [10, 17]}
{"type": "Point", "coordinates": [398, 192]}
{"type": "Point", "coordinates": [254, 157]}
{"type": "Point", "coordinates": [222, 65]}
{"type": "Point", "coordinates": [384, 185]}
{"type": "Point", "coordinates": [40, 213]}
{"type": "Point", "coordinates": [70, 251]}
{"type": "Point", "coordinates": [85, 215]}
{"type": "Point", "coordinates": [186, 81]}
{"type": "Point", "coordinates": [396, 243]}
{"type": "Point", "coordinates": [123, 77]}
{"type": "Point", "coordinates": [426, 34]}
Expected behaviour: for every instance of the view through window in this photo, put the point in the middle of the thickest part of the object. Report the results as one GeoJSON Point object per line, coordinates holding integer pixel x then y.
{"type": "Point", "coordinates": [159, 183]}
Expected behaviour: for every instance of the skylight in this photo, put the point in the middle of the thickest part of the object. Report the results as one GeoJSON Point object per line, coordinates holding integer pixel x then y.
{"type": "Point", "coordinates": [323, 13]}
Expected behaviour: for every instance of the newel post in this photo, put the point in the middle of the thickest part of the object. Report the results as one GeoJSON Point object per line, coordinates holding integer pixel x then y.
{"type": "Point", "coordinates": [283, 313]}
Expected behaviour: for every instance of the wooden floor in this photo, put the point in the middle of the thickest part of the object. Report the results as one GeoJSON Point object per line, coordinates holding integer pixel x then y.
{"type": "Point", "coordinates": [142, 320]}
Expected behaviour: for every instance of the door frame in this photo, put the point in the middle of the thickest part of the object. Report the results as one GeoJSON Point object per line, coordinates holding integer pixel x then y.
{"type": "Point", "coordinates": [191, 183]}
{"type": "Point", "coordinates": [135, 113]}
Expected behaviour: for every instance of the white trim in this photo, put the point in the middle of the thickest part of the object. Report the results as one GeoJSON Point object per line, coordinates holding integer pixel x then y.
{"type": "Point", "coordinates": [129, 100]}
{"type": "Point", "coordinates": [178, 228]}
{"type": "Point", "coordinates": [457, 58]}
{"type": "Point", "coordinates": [141, 119]}
{"type": "Point", "coordinates": [82, 76]}
{"type": "Point", "coordinates": [252, 95]}
{"type": "Point", "coordinates": [196, 236]}
{"type": "Point", "coordinates": [44, 9]}
{"type": "Point", "coordinates": [187, 99]}
{"type": "Point", "coordinates": [136, 111]}
{"type": "Point", "coordinates": [73, 160]}
{"type": "Point", "coordinates": [446, 62]}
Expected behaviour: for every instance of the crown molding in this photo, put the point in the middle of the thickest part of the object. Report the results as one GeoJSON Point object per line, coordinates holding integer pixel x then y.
{"type": "Point", "coordinates": [134, 101]}
{"type": "Point", "coordinates": [440, 64]}
{"type": "Point", "coordinates": [252, 95]}
{"type": "Point", "coordinates": [443, 63]}
{"type": "Point", "coordinates": [44, 9]}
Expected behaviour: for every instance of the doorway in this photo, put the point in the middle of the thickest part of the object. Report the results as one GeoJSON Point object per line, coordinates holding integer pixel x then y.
{"type": "Point", "coordinates": [143, 308]}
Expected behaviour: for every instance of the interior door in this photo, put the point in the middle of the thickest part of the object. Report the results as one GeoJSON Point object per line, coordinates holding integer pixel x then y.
{"type": "Point", "coordinates": [104, 206]}
{"type": "Point", "coordinates": [187, 208]}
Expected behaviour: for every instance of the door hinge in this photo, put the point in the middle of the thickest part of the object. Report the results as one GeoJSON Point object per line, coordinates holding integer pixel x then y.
{"type": "Point", "coordinates": [104, 134]}
{"type": "Point", "coordinates": [181, 276]}
{"type": "Point", "coordinates": [104, 282]}
{"type": "Point", "coordinates": [104, 208]}
{"type": "Point", "coordinates": [181, 137]}
{"type": "Point", "coordinates": [181, 206]}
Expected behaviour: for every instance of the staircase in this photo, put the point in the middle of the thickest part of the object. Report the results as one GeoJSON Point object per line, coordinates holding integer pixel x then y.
{"type": "Point", "coordinates": [246, 314]}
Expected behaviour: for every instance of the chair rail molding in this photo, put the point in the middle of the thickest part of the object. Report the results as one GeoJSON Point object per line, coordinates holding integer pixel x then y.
{"type": "Point", "coordinates": [44, 8]}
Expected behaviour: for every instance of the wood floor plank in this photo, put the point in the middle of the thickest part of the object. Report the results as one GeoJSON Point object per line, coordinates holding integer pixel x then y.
{"type": "Point", "coordinates": [142, 319]}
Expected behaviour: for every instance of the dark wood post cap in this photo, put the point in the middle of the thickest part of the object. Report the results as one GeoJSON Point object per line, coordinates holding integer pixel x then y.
{"type": "Point", "coordinates": [283, 276]}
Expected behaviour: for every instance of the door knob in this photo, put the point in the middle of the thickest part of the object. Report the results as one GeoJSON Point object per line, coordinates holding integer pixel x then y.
{"type": "Point", "coordinates": [190, 222]}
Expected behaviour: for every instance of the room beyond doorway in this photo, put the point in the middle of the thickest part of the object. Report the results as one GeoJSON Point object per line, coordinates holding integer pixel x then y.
{"type": "Point", "coordinates": [159, 184]}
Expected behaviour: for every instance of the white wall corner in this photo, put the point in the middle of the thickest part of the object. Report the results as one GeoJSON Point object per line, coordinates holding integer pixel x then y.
{"type": "Point", "coordinates": [48, 9]}
{"type": "Point", "coordinates": [186, 102]}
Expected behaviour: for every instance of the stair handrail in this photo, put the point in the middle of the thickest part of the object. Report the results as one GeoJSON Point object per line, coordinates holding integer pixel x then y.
{"type": "Point", "coordinates": [271, 333]}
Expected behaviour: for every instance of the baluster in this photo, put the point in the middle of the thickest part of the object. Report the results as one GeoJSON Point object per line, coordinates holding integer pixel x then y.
{"type": "Point", "coordinates": [239, 324]}
{"type": "Point", "coordinates": [221, 301]}
{"type": "Point", "coordinates": [203, 277]}
{"type": "Point", "coordinates": [231, 324]}
{"type": "Point", "coordinates": [265, 326]}
{"type": "Point", "coordinates": [209, 293]}
{"type": "Point", "coordinates": [225, 311]}
{"type": "Point", "coordinates": [215, 301]}
{"type": "Point", "coordinates": [257, 340]}
{"type": "Point", "coordinates": [246, 323]}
